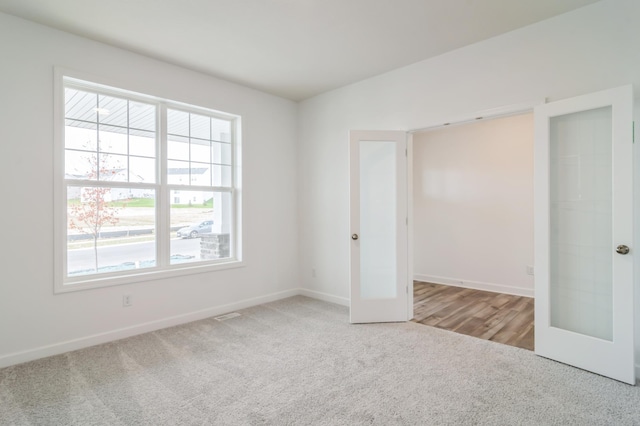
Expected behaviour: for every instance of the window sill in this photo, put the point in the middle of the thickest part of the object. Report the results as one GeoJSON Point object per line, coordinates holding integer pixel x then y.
{"type": "Point", "coordinates": [151, 275]}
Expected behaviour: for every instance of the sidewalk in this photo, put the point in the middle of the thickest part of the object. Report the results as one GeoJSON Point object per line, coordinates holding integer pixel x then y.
{"type": "Point", "coordinates": [117, 232]}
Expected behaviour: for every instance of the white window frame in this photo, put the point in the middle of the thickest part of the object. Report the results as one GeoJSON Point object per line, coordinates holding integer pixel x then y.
{"type": "Point", "coordinates": [163, 269]}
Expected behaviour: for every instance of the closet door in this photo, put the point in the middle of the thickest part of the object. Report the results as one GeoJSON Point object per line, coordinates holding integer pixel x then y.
{"type": "Point", "coordinates": [583, 232]}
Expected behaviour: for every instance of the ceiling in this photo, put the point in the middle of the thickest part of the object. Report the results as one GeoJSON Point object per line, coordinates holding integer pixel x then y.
{"type": "Point", "coordinates": [291, 48]}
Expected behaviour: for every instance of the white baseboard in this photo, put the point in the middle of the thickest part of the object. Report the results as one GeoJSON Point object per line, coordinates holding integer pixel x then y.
{"type": "Point", "coordinates": [96, 339]}
{"type": "Point", "coordinates": [476, 285]}
{"type": "Point", "coordinates": [324, 296]}
{"type": "Point", "coordinates": [109, 336]}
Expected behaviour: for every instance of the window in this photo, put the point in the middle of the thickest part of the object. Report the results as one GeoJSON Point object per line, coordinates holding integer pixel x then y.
{"type": "Point", "coordinates": [149, 187]}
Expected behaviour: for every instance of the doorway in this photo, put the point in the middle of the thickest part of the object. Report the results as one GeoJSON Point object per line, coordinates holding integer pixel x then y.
{"type": "Point", "coordinates": [473, 228]}
{"type": "Point", "coordinates": [473, 205]}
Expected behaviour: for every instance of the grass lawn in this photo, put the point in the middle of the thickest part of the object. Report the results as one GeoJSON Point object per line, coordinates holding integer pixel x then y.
{"type": "Point", "coordinates": [147, 202]}
{"type": "Point", "coordinates": [206, 205]}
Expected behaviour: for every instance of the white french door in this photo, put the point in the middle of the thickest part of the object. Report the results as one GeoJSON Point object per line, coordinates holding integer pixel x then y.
{"type": "Point", "coordinates": [583, 232]}
{"type": "Point", "coordinates": [379, 237]}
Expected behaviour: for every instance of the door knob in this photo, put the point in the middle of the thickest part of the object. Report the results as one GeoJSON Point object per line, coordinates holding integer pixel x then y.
{"type": "Point", "coordinates": [354, 237]}
{"type": "Point", "coordinates": [622, 249]}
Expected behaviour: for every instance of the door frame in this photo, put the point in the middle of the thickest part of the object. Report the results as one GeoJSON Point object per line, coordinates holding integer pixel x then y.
{"type": "Point", "coordinates": [467, 118]}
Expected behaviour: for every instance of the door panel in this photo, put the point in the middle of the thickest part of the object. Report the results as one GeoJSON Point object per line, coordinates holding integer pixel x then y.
{"type": "Point", "coordinates": [378, 217]}
{"type": "Point", "coordinates": [583, 211]}
{"type": "Point", "coordinates": [379, 263]}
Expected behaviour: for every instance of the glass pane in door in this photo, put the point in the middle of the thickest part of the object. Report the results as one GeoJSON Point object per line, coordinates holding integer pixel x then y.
{"type": "Point", "coordinates": [581, 256]}
{"type": "Point", "coordinates": [378, 200]}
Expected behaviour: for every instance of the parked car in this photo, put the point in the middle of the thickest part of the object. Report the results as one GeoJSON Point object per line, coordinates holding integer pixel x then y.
{"type": "Point", "coordinates": [193, 231]}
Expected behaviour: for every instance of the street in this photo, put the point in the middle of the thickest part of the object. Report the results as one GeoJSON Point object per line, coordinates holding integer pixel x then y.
{"type": "Point", "coordinates": [83, 259]}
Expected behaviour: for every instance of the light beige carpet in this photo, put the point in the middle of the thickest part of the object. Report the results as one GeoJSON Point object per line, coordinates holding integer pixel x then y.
{"type": "Point", "coordinates": [299, 362]}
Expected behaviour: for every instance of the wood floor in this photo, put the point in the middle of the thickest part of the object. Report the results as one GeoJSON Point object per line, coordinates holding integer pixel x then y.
{"type": "Point", "coordinates": [498, 317]}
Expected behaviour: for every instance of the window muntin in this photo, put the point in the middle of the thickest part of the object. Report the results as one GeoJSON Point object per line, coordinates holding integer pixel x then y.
{"type": "Point", "coordinates": [113, 145]}
{"type": "Point", "coordinates": [199, 150]}
{"type": "Point", "coordinates": [101, 142]}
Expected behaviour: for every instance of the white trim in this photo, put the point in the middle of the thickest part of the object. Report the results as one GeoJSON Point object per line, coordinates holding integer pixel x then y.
{"type": "Point", "coordinates": [59, 245]}
{"type": "Point", "coordinates": [410, 230]}
{"type": "Point", "coordinates": [343, 301]}
{"type": "Point", "coordinates": [97, 339]}
{"type": "Point", "coordinates": [477, 285]}
{"type": "Point", "coordinates": [163, 203]}
{"type": "Point", "coordinates": [146, 327]}
{"type": "Point", "coordinates": [149, 274]}
{"type": "Point", "coordinates": [498, 112]}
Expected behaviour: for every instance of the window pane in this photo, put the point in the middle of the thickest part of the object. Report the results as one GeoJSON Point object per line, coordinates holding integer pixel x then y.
{"type": "Point", "coordinates": [178, 172]}
{"type": "Point", "coordinates": [80, 135]}
{"type": "Point", "coordinates": [142, 170]}
{"type": "Point", "coordinates": [191, 218]}
{"type": "Point", "coordinates": [201, 221]}
{"type": "Point", "coordinates": [226, 154]}
{"type": "Point", "coordinates": [112, 110]}
{"type": "Point", "coordinates": [200, 127]}
{"type": "Point", "coordinates": [109, 230]}
{"type": "Point", "coordinates": [219, 244]}
{"type": "Point", "coordinates": [581, 223]}
{"type": "Point", "coordinates": [142, 116]}
{"type": "Point", "coordinates": [80, 105]}
{"type": "Point", "coordinates": [177, 122]}
{"type": "Point", "coordinates": [112, 139]}
{"type": "Point", "coordinates": [378, 213]}
{"type": "Point", "coordinates": [221, 130]}
{"type": "Point", "coordinates": [113, 168]}
{"type": "Point", "coordinates": [142, 143]}
{"type": "Point", "coordinates": [221, 176]}
{"type": "Point", "coordinates": [221, 153]}
{"type": "Point", "coordinates": [178, 148]}
{"type": "Point", "coordinates": [200, 151]}
{"type": "Point", "coordinates": [200, 174]}
{"type": "Point", "coordinates": [81, 165]}
{"type": "Point", "coordinates": [216, 149]}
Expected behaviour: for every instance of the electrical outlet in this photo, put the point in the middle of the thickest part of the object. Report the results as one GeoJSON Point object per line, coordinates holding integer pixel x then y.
{"type": "Point", "coordinates": [529, 270]}
{"type": "Point", "coordinates": [126, 300]}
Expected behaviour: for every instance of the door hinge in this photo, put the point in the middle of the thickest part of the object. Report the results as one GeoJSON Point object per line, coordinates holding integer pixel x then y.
{"type": "Point", "coordinates": [406, 153]}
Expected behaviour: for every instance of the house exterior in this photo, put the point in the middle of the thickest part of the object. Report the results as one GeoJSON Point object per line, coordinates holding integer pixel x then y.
{"type": "Point", "coordinates": [114, 194]}
{"type": "Point", "coordinates": [196, 176]}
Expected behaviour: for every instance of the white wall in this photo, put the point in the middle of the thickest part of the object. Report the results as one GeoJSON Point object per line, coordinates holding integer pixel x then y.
{"type": "Point", "coordinates": [473, 205]}
{"type": "Point", "coordinates": [590, 49]}
{"type": "Point", "coordinates": [33, 321]}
